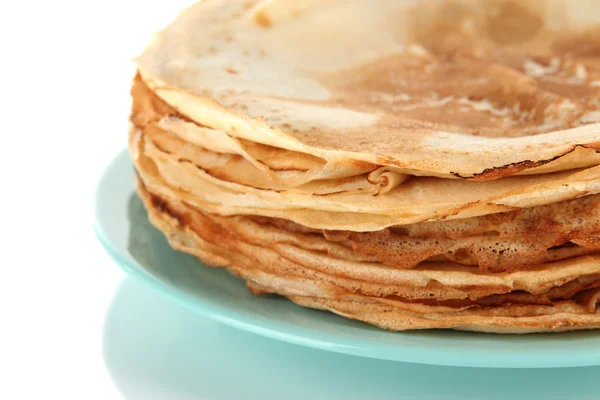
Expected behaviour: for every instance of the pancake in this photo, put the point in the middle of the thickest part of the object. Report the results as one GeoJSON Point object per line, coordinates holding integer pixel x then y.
{"type": "Point", "coordinates": [416, 200]}
{"type": "Point", "coordinates": [466, 97]}
{"type": "Point", "coordinates": [239, 186]}
{"type": "Point", "coordinates": [284, 167]}
{"type": "Point", "coordinates": [559, 296]}
{"type": "Point", "coordinates": [412, 165]}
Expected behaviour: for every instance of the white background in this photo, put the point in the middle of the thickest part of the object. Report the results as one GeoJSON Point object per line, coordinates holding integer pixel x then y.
{"type": "Point", "coordinates": [65, 71]}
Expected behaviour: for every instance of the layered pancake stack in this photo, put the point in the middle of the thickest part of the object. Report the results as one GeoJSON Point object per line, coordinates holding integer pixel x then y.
{"type": "Point", "coordinates": [430, 164]}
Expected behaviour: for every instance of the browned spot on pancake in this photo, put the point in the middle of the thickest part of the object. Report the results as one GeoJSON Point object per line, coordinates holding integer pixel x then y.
{"type": "Point", "coordinates": [416, 93]}
{"type": "Point", "coordinates": [232, 71]}
{"type": "Point", "coordinates": [363, 165]}
{"type": "Point", "coordinates": [263, 19]}
{"type": "Point", "coordinates": [515, 21]}
{"type": "Point", "coordinates": [163, 206]}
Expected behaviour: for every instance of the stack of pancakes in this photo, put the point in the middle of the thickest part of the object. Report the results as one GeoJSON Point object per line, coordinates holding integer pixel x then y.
{"type": "Point", "coordinates": [429, 164]}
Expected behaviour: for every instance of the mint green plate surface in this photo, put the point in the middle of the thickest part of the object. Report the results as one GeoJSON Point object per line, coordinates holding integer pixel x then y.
{"type": "Point", "coordinates": [157, 350]}
{"type": "Point", "coordinates": [123, 229]}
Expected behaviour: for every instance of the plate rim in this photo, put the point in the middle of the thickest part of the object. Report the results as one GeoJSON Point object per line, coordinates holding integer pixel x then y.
{"type": "Point", "coordinates": [284, 331]}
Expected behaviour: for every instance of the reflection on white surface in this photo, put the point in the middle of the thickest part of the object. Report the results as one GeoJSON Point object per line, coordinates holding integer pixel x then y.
{"type": "Point", "coordinates": [155, 349]}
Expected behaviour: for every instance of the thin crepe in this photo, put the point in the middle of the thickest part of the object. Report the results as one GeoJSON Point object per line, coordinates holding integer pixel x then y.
{"type": "Point", "coordinates": [442, 89]}
{"type": "Point", "coordinates": [417, 200]}
{"type": "Point", "coordinates": [562, 296]}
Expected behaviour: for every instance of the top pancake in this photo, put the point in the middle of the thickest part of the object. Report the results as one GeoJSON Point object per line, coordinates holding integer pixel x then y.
{"type": "Point", "coordinates": [467, 89]}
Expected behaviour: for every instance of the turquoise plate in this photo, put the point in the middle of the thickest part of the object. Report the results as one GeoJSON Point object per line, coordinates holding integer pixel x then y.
{"type": "Point", "coordinates": [157, 350]}
{"type": "Point", "coordinates": [122, 227]}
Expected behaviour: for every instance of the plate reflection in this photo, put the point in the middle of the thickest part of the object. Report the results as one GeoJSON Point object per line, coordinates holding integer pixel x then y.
{"type": "Point", "coordinates": [156, 349]}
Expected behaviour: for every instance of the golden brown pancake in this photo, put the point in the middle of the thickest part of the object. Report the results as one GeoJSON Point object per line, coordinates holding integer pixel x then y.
{"type": "Point", "coordinates": [413, 165]}
{"type": "Point", "coordinates": [316, 273]}
{"type": "Point", "coordinates": [441, 88]}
